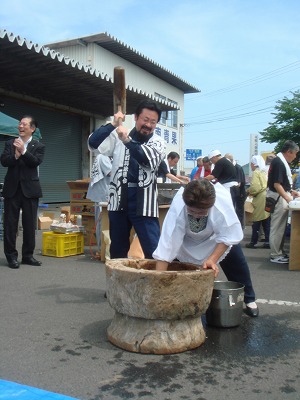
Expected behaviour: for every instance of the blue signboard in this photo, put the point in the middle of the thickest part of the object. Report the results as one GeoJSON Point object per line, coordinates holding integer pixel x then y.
{"type": "Point", "coordinates": [192, 154]}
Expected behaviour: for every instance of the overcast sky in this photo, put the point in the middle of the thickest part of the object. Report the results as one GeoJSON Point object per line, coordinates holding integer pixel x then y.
{"type": "Point", "coordinates": [244, 55]}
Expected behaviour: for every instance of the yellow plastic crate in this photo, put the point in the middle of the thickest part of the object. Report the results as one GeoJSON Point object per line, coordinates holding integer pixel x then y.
{"type": "Point", "coordinates": [62, 244]}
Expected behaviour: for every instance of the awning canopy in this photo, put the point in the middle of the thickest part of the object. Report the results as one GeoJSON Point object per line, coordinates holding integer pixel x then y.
{"type": "Point", "coordinates": [38, 72]}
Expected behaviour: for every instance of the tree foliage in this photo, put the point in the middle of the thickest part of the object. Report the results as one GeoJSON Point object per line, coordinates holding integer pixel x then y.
{"type": "Point", "coordinates": [286, 124]}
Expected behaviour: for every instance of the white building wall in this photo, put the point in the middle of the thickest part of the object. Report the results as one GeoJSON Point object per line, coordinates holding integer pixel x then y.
{"type": "Point", "coordinates": [104, 61]}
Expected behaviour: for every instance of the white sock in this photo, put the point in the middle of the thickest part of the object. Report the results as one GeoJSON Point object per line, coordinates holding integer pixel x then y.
{"type": "Point", "coordinates": [252, 305]}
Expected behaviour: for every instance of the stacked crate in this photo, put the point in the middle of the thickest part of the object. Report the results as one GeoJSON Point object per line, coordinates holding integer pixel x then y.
{"type": "Point", "coordinates": [62, 245]}
{"type": "Point", "coordinates": [80, 205]}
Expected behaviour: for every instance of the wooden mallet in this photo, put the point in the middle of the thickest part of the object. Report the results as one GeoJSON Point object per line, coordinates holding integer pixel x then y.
{"type": "Point", "coordinates": [119, 91]}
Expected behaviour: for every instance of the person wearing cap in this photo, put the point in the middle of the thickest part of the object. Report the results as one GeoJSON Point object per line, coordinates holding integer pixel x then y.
{"type": "Point", "coordinates": [194, 170]}
{"type": "Point", "coordinates": [202, 228]}
{"type": "Point", "coordinates": [223, 172]}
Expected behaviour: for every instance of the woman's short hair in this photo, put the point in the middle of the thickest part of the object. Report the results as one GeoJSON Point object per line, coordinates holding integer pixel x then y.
{"type": "Point", "coordinates": [199, 193]}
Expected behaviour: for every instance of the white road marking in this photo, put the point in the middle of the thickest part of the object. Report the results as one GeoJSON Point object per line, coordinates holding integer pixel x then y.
{"type": "Point", "coordinates": [278, 302]}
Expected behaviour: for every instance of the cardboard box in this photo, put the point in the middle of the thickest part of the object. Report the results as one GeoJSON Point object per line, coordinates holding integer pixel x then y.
{"type": "Point", "coordinates": [82, 184]}
{"type": "Point", "coordinates": [83, 208]}
{"type": "Point", "coordinates": [89, 235]}
{"type": "Point", "coordinates": [294, 241]}
{"type": "Point", "coordinates": [49, 214]}
{"type": "Point", "coordinates": [44, 223]}
{"type": "Point", "coordinates": [66, 210]}
{"type": "Point", "coordinates": [78, 195]}
{"type": "Point", "coordinates": [136, 250]}
{"type": "Point", "coordinates": [90, 238]}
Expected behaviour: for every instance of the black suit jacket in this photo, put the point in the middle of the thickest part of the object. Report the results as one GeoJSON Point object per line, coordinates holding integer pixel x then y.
{"type": "Point", "coordinates": [24, 170]}
{"type": "Point", "coordinates": [241, 180]}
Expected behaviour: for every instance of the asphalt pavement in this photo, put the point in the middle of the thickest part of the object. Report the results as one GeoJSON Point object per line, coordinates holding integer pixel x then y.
{"type": "Point", "coordinates": [53, 337]}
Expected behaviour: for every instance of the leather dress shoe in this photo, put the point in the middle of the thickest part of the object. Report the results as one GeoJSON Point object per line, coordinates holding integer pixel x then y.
{"type": "Point", "coordinates": [13, 264]}
{"type": "Point", "coordinates": [252, 312]}
{"type": "Point", "coordinates": [31, 261]}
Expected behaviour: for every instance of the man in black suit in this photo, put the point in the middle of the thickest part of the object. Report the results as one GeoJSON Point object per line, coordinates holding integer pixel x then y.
{"type": "Point", "coordinates": [21, 190]}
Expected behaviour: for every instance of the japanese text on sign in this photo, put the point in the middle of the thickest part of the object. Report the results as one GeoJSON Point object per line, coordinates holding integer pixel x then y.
{"type": "Point", "coordinates": [192, 154]}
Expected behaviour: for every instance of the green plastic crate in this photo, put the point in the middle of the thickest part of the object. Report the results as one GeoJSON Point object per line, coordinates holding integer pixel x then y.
{"type": "Point", "coordinates": [62, 244]}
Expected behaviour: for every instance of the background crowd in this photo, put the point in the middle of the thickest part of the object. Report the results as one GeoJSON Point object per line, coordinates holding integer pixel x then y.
{"type": "Point", "coordinates": [205, 222]}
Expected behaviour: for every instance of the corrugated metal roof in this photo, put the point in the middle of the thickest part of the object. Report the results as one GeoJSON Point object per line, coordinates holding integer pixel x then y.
{"type": "Point", "coordinates": [37, 71]}
{"type": "Point", "coordinates": [128, 53]}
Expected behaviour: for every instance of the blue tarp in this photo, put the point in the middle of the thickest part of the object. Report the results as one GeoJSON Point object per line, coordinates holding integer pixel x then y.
{"type": "Point", "coordinates": [15, 391]}
{"type": "Point", "coordinates": [9, 128]}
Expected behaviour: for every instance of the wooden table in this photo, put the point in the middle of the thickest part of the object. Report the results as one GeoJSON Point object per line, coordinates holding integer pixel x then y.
{"type": "Point", "coordinates": [294, 264]}
{"type": "Point", "coordinates": [163, 209]}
